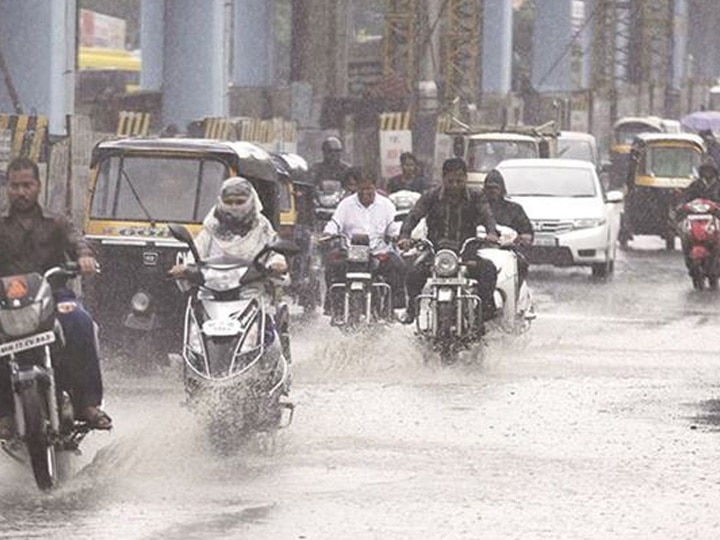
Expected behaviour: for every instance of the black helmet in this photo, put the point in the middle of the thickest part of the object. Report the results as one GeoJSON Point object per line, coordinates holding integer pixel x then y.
{"type": "Point", "coordinates": [332, 144]}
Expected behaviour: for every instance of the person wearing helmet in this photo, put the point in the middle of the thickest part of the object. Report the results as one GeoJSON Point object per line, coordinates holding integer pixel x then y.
{"type": "Point", "coordinates": [332, 166]}
{"type": "Point", "coordinates": [707, 185]}
{"type": "Point", "coordinates": [509, 214]}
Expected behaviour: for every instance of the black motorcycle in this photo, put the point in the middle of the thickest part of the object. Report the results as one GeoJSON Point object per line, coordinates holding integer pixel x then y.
{"type": "Point", "coordinates": [45, 422]}
{"type": "Point", "coordinates": [362, 297]}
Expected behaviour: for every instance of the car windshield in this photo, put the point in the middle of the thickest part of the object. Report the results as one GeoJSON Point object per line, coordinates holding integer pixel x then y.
{"type": "Point", "coordinates": [157, 188]}
{"type": "Point", "coordinates": [672, 162]}
{"type": "Point", "coordinates": [484, 156]}
{"type": "Point", "coordinates": [549, 182]}
{"type": "Point", "coordinates": [575, 149]}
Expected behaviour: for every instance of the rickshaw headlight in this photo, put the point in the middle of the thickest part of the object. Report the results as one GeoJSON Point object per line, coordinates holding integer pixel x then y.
{"type": "Point", "coordinates": [588, 223]}
{"type": "Point", "coordinates": [446, 263]}
{"type": "Point", "coordinates": [140, 302]}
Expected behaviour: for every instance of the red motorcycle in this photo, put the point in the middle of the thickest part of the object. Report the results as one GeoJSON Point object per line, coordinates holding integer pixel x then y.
{"type": "Point", "coordinates": [700, 234]}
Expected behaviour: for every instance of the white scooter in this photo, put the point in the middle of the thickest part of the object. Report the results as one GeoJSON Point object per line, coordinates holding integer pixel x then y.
{"type": "Point", "coordinates": [512, 299]}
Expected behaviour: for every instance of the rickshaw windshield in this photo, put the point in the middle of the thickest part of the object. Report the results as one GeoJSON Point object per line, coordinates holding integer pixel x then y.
{"type": "Point", "coordinates": [144, 188]}
{"type": "Point", "coordinates": [483, 156]}
{"type": "Point", "coordinates": [672, 161]}
{"type": "Point", "coordinates": [626, 133]}
{"type": "Point", "coordinates": [549, 182]}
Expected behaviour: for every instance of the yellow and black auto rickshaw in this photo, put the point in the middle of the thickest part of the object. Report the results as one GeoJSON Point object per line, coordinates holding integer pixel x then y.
{"type": "Point", "coordinates": [297, 218]}
{"type": "Point", "coordinates": [624, 132]}
{"type": "Point", "coordinates": [661, 166]}
{"type": "Point", "coordinates": [137, 187]}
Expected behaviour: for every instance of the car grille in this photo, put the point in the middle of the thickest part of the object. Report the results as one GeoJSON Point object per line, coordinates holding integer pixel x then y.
{"type": "Point", "coordinates": [554, 226]}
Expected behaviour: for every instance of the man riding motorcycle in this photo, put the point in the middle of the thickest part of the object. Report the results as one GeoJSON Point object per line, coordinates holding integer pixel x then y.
{"type": "Point", "coordinates": [707, 186]}
{"type": "Point", "coordinates": [510, 214]}
{"type": "Point", "coordinates": [35, 240]}
{"type": "Point", "coordinates": [367, 213]}
{"type": "Point", "coordinates": [452, 212]}
{"type": "Point", "coordinates": [332, 166]}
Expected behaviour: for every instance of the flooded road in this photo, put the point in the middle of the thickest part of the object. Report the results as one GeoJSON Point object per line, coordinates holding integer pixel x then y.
{"type": "Point", "coordinates": [601, 422]}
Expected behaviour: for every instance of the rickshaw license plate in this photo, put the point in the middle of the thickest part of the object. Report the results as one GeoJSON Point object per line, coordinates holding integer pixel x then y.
{"type": "Point", "coordinates": [545, 240]}
{"type": "Point", "coordinates": [29, 342]}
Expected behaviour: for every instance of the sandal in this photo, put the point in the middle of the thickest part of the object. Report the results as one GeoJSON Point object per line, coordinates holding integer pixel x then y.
{"type": "Point", "coordinates": [96, 418]}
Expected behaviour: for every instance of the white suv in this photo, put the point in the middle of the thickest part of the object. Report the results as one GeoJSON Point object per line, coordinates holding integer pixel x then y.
{"type": "Point", "coordinates": [576, 223]}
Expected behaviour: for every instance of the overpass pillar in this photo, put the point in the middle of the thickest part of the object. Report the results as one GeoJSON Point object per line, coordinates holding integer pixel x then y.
{"type": "Point", "coordinates": [254, 39]}
{"type": "Point", "coordinates": [152, 13]}
{"type": "Point", "coordinates": [497, 46]}
{"type": "Point", "coordinates": [552, 53]}
{"type": "Point", "coordinates": [194, 61]}
{"type": "Point", "coordinates": [37, 40]}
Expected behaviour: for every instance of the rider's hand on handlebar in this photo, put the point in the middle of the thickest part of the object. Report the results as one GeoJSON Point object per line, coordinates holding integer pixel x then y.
{"type": "Point", "coordinates": [278, 268]}
{"type": "Point", "coordinates": [177, 271]}
{"type": "Point", "coordinates": [492, 238]}
{"type": "Point", "coordinates": [404, 244]}
{"type": "Point", "coordinates": [88, 265]}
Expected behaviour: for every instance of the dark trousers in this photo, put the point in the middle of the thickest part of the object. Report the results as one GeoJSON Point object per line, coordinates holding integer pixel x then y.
{"type": "Point", "coordinates": [391, 268]}
{"type": "Point", "coordinates": [77, 365]}
{"type": "Point", "coordinates": [483, 271]}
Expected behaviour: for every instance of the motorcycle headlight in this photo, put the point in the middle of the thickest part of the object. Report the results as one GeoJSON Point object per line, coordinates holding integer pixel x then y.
{"type": "Point", "coordinates": [588, 223]}
{"type": "Point", "coordinates": [223, 280]}
{"type": "Point", "coordinates": [21, 321]}
{"type": "Point", "coordinates": [329, 200]}
{"type": "Point", "coordinates": [446, 263]}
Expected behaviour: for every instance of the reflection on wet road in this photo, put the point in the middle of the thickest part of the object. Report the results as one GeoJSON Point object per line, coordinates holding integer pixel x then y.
{"type": "Point", "coordinates": [602, 422]}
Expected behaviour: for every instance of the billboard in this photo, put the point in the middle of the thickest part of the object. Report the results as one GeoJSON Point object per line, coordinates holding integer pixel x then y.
{"type": "Point", "coordinates": [100, 30]}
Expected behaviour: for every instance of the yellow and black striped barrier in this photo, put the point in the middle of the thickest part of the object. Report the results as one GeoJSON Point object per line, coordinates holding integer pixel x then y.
{"type": "Point", "coordinates": [133, 124]}
{"type": "Point", "coordinates": [395, 121]}
{"type": "Point", "coordinates": [219, 128]}
{"type": "Point", "coordinates": [24, 135]}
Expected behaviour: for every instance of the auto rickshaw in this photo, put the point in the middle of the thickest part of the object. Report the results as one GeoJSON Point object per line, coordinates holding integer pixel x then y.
{"type": "Point", "coordinates": [624, 132]}
{"type": "Point", "coordinates": [297, 218]}
{"type": "Point", "coordinates": [137, 187]}
{"type": "Point", "coordinates": [661, 166]}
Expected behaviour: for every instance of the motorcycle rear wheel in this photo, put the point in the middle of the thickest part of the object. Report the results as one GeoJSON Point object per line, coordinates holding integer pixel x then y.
{"type": "Point", "coordinates": [39, 446]}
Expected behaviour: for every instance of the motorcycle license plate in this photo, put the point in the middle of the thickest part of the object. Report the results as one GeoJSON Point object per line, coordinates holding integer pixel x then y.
{"type": "Point", "coordinates": [356, 286]}
{"type": "Point", "coordinates": [29, 342]}
{"type": "Point", "coordinates": [221, 327]}
{"type": "Point", "coordinates": [545, 240]}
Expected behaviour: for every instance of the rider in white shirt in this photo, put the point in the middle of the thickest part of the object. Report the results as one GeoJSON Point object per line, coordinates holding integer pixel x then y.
{"type": "Point", "coordinates": [368, 213]}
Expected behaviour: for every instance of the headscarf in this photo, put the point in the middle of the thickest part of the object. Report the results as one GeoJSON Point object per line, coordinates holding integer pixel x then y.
{"type": "Point", "coordinates": [226, 221]}
{"type": "Point", "coordinates": [495, 178]}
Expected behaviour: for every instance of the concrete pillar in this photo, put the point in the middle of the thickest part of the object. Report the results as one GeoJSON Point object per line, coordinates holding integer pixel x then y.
{"type": "Point", "coordinates": [551, 66]}
{"type": "Point", "coordinates": [497, 46]}
{"type": "Point", "coordinates": [704, 20]}
{"type": "Point", "coordinates": [152, 29]}
{"type": "Point", "coordinates": [37, 38]}
{"type": "Point", "coordinates": [587, 44]}
{"type": "Point", "coordinates": [680, 43]}
{"type": "Point", "coordinates": [254, 43]}
{"type": "Point", "coordinates": [194, 61]}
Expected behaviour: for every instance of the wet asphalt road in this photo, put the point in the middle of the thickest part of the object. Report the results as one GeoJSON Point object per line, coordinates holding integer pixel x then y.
{"type": "Point", "coordinates": [601, 422]}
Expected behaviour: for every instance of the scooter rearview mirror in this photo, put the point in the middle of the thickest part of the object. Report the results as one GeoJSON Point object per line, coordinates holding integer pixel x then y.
{"type": "Point", "coordinates": [181, 233]}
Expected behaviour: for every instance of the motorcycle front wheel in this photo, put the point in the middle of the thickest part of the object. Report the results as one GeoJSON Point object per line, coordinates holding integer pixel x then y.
{"type": "Point", "coordinates": [39, 446]}
{"type": "Point", "coordinates": [446, 343]}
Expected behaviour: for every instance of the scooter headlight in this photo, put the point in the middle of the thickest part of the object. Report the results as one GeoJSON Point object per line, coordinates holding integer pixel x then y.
{"type": "Point", "coordinates": [140, 302]}
{"type": "Point", "coordinates": [446, 263]}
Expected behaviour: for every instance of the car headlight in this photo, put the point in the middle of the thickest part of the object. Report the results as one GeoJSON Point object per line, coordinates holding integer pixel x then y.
{"type": "Point", "coordinates": [588, 223]}
{"type": "Point", "coordinates": [21, 321]}
{"type": "Point", "coordinates": [446, 263]}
